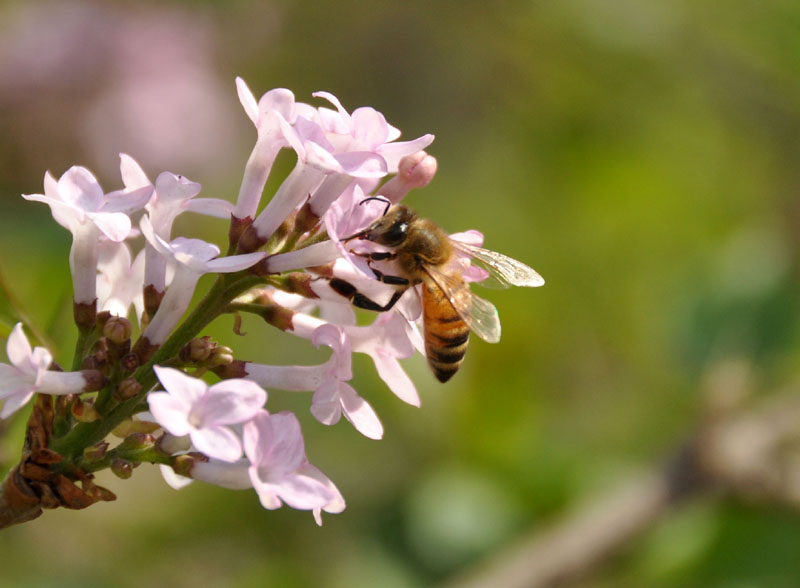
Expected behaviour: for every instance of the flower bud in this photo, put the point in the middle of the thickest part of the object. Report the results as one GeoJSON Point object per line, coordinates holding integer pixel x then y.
{"type": "Point", "coordinates": [184, 464]}
{"type": "Point", "coordinates": [129, 426]}
{"type": "Point", "coordinates": [197, 350]}
{"type": "Point", "coordinates": [129, 362]}
{"type": "Point", "coordinates": [127, 389]}
{"type": "Point", "coordinates": [136, 441]}
{"type": "Point", "coordinates": [96, 452]}
{"type": "Point", "coordinates": [97, 361]}
{"type": "Point", "coordinates": [85, 412]}
{"type": "Point", "coordinates": [97, 493]}
{"type": "Point", "coordinates": [222, 356]}
{"type": "Point", "coordinates": [117, 329]}
{"type": "Point", "coordinates": [414, 171]}
{"type": "Point", "coordinates": [122, 468]}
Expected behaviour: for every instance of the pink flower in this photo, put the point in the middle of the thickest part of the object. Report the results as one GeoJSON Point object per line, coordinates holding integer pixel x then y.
{"type": "Point", "coordinates": [279, 469]}
{"type": "Point", "coordinates": [366, 130]}
{"type": "Point", "coordinates": [119, 280]}
{"type": "Point", "coordinates": [414, 171]}
{"type": "Point", "coordinates": [78, 203]}
{"type": "Point", "coordinates": [333, 149]}
{"type": "Point", "coordinates": [28, 374]}
{"type": "Point", "coordinates": [271, 115]}
{"type": "Point", "coordinates": [311, 256]}
{"type": "Point", "coordinates": [389, 338]}
{"type": "Point", "coordinates": [333, 396]}
{"type": "Point", "coordinates": [190, 407]}
{"type": "Point", "coordinates": [191, 258]}
{"type": "Point", "coordinates": [172, 195]}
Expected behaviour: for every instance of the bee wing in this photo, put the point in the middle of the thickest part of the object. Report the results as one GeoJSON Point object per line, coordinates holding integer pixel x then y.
{"type": "Point", "coordinates": [505, 270]}
{"type": "Point", "coordinates": [479, 315]}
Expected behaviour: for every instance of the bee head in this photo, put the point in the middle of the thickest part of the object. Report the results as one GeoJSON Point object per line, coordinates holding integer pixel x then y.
{"type": "Point", "coordinates": [390, 230]}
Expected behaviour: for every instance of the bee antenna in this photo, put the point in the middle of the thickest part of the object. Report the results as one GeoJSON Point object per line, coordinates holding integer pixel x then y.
{"type": "Point", "coordinates": [380, 199]}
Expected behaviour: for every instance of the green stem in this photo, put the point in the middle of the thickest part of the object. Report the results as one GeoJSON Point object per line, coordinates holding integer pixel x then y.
{"type": "Point", "coordinates": [82, 345]}
{"type": "Point", "coordinates": [225, 289]}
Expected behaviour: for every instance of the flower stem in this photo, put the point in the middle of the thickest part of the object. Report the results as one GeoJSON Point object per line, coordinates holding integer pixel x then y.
{"type": "Point", "coordinates": [225, 289]}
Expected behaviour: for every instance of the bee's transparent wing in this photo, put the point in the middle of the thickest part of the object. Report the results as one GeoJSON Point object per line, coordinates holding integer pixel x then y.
{"type": "Point", "coordinates": [480, 315]}
{"type": "Point", "coordinates": [503, 269]}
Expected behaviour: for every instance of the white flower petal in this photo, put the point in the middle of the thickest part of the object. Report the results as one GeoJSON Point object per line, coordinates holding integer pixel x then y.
{"type": "Point", "coordinates": [215, 207]}
{"type": "Point", "coordinates": [247, 100]}
{"type": "Point", "coordinates": [232, 402]}
{"type": "Point", "coordinates": [235, 263]}
{"type": "Point", "coordinates": [170, 413]}
{"type": "Point", "coordinates": [217, 442]}
{"type": "Point", "coordinates": [360, 413]}
{"type": "Point", "coordinates": [114, 225]}
{"type": "Point", "coordinates": [18, 348]}
{"type": "Point", "coordinates": [180, 385]}
{"type": "Point", "coordinates": [133, 175]}
{"type": "Point", "coordinates": [175, 481]}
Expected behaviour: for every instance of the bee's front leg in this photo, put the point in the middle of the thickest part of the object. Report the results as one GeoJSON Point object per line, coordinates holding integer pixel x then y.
{"type": "Point", "coordinates": [379, 275]}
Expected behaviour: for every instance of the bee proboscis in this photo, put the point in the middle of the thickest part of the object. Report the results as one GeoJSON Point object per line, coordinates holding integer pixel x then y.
{"type": "Point", "coordinates": [424, 254]}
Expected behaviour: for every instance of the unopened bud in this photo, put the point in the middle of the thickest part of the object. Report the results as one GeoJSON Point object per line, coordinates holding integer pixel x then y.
{"type": "Point", "coordinates": [197, 350]}
{"type": "Point", "coordinates": [122, 468]}
{"type": "Point", "coordinates": [222, 356]}
{"type": "Point", "coordinates": [136, 441]}
{"type": "Point", "coordinates": [127, 389]}
{"type": "Point", "coordinates": [129, 362]}
{"type": "Point", "coordinates": [96, 452]}
{"type": "Point", "coordinates": [84, 412]}
{"type": "Point", "coordinates": [98, 493]}
{"type": "Point", "coordinates": [129, 426]}
{"type": "Point", "coordinates": [414, 171]}
{"type": "Point", "coordinates": [183, 464]}
{"type": "Point", "coordinates": [101, 360]}
{"type": "Point", "coordinates": [117, 329]}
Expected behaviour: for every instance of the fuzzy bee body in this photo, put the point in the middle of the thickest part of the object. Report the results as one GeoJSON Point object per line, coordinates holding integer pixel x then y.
{"type": "Point", "coordinates": [424, 254]}
{"type": "Point", "coordinates": [446, 333]}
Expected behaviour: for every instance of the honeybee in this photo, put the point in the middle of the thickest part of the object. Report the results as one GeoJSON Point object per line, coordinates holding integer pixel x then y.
{"type": "Point", "coordinates": [424, 254]}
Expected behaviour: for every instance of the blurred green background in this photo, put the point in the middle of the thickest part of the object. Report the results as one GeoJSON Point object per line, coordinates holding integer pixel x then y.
{"type": "Point", "coordinates": [644, 157]}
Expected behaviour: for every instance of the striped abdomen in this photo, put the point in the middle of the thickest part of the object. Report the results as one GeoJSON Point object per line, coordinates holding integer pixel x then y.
{"type": "Point", "coordinates": [446, 335]}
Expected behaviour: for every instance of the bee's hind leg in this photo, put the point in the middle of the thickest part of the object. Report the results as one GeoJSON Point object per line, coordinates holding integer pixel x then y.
{"type": "Point", "coordinates": [358, 299]}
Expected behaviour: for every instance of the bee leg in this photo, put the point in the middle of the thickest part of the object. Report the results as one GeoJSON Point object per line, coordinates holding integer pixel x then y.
{"type": "Point", "coordinates": [393, 280]}
{"type": "Point", "coordinates": [349, 291]}
{"type": "Point", "coordinates": [377, 255]}
{"type": "Point", "coordinates": [379, 275]}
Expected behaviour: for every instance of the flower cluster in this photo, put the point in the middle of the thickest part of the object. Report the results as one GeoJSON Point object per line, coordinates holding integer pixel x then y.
{"type": "Point", "coordinates": [139, 340]}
